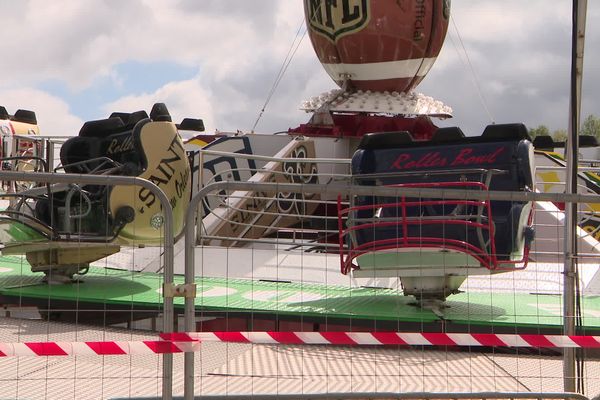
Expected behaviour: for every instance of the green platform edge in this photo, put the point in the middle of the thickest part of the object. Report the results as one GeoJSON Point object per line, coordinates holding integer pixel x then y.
{"type": "Point", "coordinates": [141, 289]}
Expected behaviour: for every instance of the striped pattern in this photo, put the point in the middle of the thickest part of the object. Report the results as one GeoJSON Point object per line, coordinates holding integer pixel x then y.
{"type": "Point", "coordinates": [47, 349]}
{"type": "Point", "coordinates": [389, 338]}
{"type": "Point", "coordinates": [190, 342]}
{"type": "Point", "coordinates": [402, 69]}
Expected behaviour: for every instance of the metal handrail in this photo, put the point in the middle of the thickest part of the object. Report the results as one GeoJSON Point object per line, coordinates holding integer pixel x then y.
{"type": "Point", "coordinates": [251, 171]}
{"type": "Point", "coordinates": [580, 169]}
{"type": "Point", "coordinates": [361, 190]}
{"type": "Point", "coordinates": [391, 396]}
{"type": "Point", "coordinates": [36, 138]}
{"type": "Point", "coordinates": [341, 161]}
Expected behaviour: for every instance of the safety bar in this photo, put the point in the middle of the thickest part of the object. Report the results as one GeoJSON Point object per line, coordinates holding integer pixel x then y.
{"type": "Point", "coordinates": [487, 257]}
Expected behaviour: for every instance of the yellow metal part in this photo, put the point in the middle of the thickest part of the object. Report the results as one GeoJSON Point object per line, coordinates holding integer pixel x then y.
{"type": "Point", "coordinates": [22, 128]}
{"type": "Point", "coordinates": [168, 168]}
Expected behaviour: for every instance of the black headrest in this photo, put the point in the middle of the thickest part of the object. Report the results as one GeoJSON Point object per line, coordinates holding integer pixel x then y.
{"type": "Point", "coordinates": [130, 119]}
{"type": "Point", "coordinates": [383, 140]}
{"type": "Point", "coordinates": [160, 112]}
{"type": "Point", "coordinates": [124, 116]}
{"type": "Point", "coordinates": [74, 150]}
{"type": "Point", "coordinates": [448, 135]}
{"type": "Point", "coordinates": [588, 141]}
{"type": "Point", "coordinates": [136, 117]}
{"type": "Point", "coordinates": [506, 131]}
{"type": "Point", "coordinates": [25, 116]}
{"type": "Point", "coordinates": [3, 113]}
{"type": "Point", "coordinates": [544, 142]}
{"type": "Point", "coordinates": [191, 124]}
{"type": "Point", "coordinates": [101, 127]}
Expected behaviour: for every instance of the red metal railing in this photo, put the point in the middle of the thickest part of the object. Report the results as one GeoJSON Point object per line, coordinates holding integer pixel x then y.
{"type": "Point", "coordinates": [487, 257]}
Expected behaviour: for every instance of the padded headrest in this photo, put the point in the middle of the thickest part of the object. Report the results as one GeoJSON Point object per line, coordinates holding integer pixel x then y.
{"type": "Point", "coordinates": [588, 141]}
{"type": "Point", "coordinates": [448, 135]}
{"type": "Point", "coordinates": [124, 116]}
{"type": "Point", "coordinates": [3, 113]}
{"type": "Point", "coordinates": [191, 124]}
{"type": "Point", "coordinates": [136, 117]}
{"type": "Point", "coordinates": [74, 150]}
{"type": "Point", "coordinates": [160, 112]}
{"type": "Point", "coordinates": [506, 131]}
{"type": "Point", "coordinates": [544, 142]}
{"type": "Point", "coordinates": [385, 140]}
{"type": "Point", "coordinates": [25, 116]}
{"type": "Point", "coordinates": [101, 127]}
{"type": "Point", "coordinates": [130, 119]}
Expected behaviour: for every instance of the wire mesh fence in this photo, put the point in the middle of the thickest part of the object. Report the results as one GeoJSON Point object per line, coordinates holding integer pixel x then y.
{"type": "Point", "coordinates": [295, 252]}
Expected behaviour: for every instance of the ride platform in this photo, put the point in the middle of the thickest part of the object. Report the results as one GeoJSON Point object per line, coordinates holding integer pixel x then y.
{"type": "Point", "coordinates": [118, 295]}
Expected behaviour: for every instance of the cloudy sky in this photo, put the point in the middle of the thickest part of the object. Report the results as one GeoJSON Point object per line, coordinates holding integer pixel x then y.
{"type": "Point", "coordinates": [73, 60]}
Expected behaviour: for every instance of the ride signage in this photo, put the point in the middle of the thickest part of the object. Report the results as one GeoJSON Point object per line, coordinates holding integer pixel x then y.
{"type": "Point", "coordinates": [334, 19]}
{"type": "Point", "coordinates": [475, 156]}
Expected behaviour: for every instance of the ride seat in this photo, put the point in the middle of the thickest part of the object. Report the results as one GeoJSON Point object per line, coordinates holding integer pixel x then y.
{"type": "Point", "coordinates": [109, 145]}
{"type": "Point", "coordinates": [500, 159]}
{"type": "Point", "coordinates": [103, 140]}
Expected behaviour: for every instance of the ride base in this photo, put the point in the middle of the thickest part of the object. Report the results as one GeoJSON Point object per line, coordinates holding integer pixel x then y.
{"type": "Point", "coordinates": [233, 304]}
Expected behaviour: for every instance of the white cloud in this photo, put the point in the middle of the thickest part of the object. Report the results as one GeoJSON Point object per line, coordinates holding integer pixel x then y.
{"type": "Point", "coordinates": [238, 49]}
{"type": "Point", "coordinates": [519, 50]}
{"type": "Point", "coordinates": [185, 99]}
{"type": "Point", "coordinates": [77, 41]}
{"type": "Point", "coordinates": [53, 115]}
{"type": "Point", "coordinates": [511, 21]}
{"type": "Point", "coordinates": [239, 62]}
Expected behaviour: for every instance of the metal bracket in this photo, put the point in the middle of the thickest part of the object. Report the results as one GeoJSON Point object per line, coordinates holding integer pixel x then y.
{"type": "Point", "coordinates": [185, 290]}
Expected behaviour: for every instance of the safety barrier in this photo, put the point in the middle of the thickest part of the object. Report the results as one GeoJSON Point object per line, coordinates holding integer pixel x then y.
{"type": "Point", "coordinates": [173, 343]}
{"type": "Point", "coordinates": [180, 342]}
{"type": "Point", "coordinates": [548, 215]}
{"type": "Point", "coordinates": [107, 180]}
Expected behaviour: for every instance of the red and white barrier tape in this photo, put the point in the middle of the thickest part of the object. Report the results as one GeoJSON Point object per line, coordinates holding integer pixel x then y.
{"type": "Point", "coordinates": [390, 338]}
{"type": "Point", "coordinates": [96, 348]}
{"type": "Point", "coordinates": [190, 342]}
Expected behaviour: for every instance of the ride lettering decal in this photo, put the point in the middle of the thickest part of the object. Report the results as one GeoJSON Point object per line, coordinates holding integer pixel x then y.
{"type": "Point", "coordinates": [446, 158]}
{"type": "Point", "coordinates": [168, 171]}
{"type": "Point", "coordinates": [334, 19]}
{"type": "Point", "coordinates": [420, 20]}
{"type": "Point", "coordinates": [120, 144]}
{"type": "Point", "coordinates": [227, 168]}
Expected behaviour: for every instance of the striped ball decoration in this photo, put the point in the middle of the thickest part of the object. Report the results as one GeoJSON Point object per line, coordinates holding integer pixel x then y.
{"type": "Point", "coordinates": [377, 45]}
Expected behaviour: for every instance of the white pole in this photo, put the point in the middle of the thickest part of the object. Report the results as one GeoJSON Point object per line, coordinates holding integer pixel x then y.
{"type": "Point", "coordinates": [572, 154]}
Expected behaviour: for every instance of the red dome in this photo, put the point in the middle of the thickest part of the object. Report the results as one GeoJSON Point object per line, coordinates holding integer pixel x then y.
{"type": "Point", "coordinates": [381, 45]}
